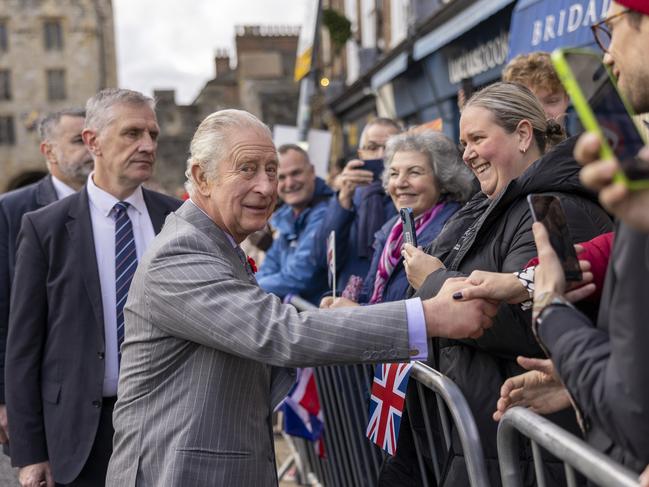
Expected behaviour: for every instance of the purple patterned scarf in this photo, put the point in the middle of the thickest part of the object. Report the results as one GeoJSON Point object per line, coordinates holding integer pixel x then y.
{"type": "Point", "coordinates": [391, 253]}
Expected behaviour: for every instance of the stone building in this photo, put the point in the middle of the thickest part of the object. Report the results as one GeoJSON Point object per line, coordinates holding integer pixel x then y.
{"type": "Point", "coordinates": [261, 83]}
{"type": "Point", "coordinates": [54, 54]}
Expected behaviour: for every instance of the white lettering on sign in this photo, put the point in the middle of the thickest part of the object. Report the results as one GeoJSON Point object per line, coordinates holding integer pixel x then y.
{"type": "Point", "coordinates": [480, 59]}
{"type": "Point", "coordinates": [568, 20]}
{"type": "Point", "coordinates": [574, 17]}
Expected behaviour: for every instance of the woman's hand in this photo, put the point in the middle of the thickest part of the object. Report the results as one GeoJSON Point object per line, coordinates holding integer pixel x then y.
{"type": "Point", "coordinates": [418, 265]}
{"type": "Point", "coordinates": [540, 389]}
{"type": "Point", "coordinates": [331, 302]}
{"type": "Point", "coordinates": [495, 286]}
{"type": "Point", "coordinates": [498, 286]}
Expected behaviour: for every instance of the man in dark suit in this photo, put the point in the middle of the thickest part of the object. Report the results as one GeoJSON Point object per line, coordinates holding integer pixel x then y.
{"type": "Point", "coordinates": [69, 164]}
{"type": "Point", "coordinates": [74, 263]}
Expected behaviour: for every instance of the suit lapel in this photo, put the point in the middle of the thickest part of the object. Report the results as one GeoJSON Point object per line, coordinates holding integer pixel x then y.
{"type": "Point", "coordinates": [82, 241]}
{"type": "Point", "coordinates": [45, 192]}
{"type": "Point", "coordinates": [157, 211]}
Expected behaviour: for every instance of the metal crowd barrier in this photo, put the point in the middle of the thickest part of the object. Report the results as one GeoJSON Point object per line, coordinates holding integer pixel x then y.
{"type": "Point", "coordinates": [351, 459]}
{"type": "Point", "coordinates": [466, 429]}
{"type": "Point", "coordinates": [575, 453]}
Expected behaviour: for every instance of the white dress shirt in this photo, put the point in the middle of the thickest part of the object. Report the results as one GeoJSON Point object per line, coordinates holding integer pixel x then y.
{"type": "Point", "coordinates": [103, 230]}
{"type": "Point", "coordinates": [62, 189]}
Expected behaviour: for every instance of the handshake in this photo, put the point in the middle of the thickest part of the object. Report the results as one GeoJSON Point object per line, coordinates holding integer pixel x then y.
{"type": "Point", "coordinates": [446, 315]}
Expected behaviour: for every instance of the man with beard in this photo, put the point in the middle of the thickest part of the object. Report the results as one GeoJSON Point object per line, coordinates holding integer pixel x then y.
{"type": "Point", "coordinates": [74, 263]}
{"type": "Point", "coordinates": [605, 367]}
{"type": "Point", "coordinates": [69, 164]}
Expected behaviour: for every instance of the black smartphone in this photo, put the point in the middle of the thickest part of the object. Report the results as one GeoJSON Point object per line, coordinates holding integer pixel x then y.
{"type": "Point", "coordinates": [374, 165]}
{"type": "Point", "coordinates": [408, 220]}
{"type": "Point", "coordinates": [547, 210]}
{"type": "Point", "coordinates": [603, 109]}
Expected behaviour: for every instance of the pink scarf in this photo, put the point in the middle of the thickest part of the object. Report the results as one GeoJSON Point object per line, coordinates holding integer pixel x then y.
{"type": "Point", "coordinates": [392, 250]}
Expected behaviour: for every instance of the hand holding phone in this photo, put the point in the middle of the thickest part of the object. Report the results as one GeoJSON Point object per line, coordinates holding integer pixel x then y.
{"type": "Point", "coordinates": [603, 110]}
{"type": "Point", "coordinates": [547, 210]}
{"type": "Point", "coordinates": [408, 220]}
{"type": "Point", "coordinates": [376, 166]}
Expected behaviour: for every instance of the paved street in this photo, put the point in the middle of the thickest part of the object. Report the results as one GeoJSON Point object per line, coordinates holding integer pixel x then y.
{"type": "Point", "coordinates": [7, 474]}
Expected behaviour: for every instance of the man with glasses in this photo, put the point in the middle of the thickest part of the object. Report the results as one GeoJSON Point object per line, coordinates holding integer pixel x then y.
{"type": "Point", "coordinates": [604, 367]}
{"type": "Point", "coordinates": [360, 208]}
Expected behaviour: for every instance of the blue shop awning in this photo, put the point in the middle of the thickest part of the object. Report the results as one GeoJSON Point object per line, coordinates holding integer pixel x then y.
{"type": "Point", "coordinates": [458, 25]}
{"type": "Point", "coordinates": [541, 25]}
{"type": "Point", "coordinates": [390, 71]}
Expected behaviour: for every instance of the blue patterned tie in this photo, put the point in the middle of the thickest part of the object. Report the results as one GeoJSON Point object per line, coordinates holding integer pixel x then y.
{"type": "Point", "coordinates": [125, 264]}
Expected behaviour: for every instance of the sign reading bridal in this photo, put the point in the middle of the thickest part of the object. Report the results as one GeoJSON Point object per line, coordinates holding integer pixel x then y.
{"type": "Point", "coordinates": [539, 25]}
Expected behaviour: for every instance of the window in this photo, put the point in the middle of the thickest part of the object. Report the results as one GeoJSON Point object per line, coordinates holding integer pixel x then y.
{"type": "Point", "coordinates": [4, 40]}
{"type": "Point", "coordinates": [53, 35]}
{"type": "Point", "coordinates": [7, 134]}
{"type": "Point", "coordinates": [56, 84]}
{"type": "Point", "coordinates": [5, 84]}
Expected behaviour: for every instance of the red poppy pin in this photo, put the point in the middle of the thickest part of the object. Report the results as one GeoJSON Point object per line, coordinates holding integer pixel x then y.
{"type": "Point", "coordinates": [253, 264]}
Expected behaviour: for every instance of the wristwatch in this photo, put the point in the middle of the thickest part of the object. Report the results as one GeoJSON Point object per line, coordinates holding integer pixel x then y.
{"type": "Point", "coordinates": [542, 303]}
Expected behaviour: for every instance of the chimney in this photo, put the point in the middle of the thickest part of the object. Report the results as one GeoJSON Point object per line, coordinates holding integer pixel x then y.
{"type": "Point", "coordinates": [222, 62]}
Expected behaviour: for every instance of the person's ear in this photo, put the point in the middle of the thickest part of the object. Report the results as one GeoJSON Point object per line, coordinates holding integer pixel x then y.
{"type": "Point", "coordinates": [525, 133]}
{"type": "Point", "coordinates": [46, 149]}
{"type": "Point", "coordinates": [200, 180]}
{"type": "Point", "coordinates": [91, 141]}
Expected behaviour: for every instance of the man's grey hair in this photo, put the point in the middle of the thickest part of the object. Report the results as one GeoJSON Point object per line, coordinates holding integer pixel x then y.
{"type": "Point", "coordinates": [454, 180]}
{"type": "Point", "coordinates": [210, 144]}
{"type": "Point", "coordinates": [382, 121]}
{"type": "Point", "coordinates": [48, 123]}
{"type": "Point", "coordinates": [98, 107]}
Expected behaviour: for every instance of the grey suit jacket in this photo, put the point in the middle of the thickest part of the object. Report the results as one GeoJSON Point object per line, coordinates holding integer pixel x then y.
{"type": "Point", "coordinates": [202, 355]}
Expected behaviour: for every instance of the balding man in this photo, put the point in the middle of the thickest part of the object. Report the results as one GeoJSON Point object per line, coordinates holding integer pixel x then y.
{"type": "Point", "coordinates": [290, 266]}
{"type": "Point", "coordinates": [205, 350]}
{"type": "Point", "coordinates": [69, 164]}
{"type": "Point", "coordinates": [360, 208]}
{"type": "Point", "coordinates": [74, 263]}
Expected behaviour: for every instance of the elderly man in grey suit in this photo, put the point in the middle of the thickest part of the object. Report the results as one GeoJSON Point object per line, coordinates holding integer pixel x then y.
{"type": "Point", "coordinates": [205, 352]}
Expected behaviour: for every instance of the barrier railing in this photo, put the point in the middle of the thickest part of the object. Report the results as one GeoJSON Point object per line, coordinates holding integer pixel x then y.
{"type": "Point", "coordinates": [351, 459]}
{"type": "Point", "coordinates": [575, 453]}
{"type": "Point", "coordinates": [466, 429]}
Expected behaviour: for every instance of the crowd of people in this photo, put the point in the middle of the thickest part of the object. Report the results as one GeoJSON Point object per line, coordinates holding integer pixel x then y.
{"type": "Point", "coordinates": [140, 345]}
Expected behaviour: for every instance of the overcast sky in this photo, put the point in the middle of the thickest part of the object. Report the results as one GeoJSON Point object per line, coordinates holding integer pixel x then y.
{"type": "Point", "coordinates": [163, 44]}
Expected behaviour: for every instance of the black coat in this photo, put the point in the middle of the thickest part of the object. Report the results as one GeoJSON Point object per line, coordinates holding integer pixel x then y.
{"type": "Point", "coordinates": [13, 206]}
{"type": "Point", "coordinates": [605, 367]}
{"type": "Point", "coordinates": [499, 239]}
{"type": "Point", "coordinates": [54, 369]}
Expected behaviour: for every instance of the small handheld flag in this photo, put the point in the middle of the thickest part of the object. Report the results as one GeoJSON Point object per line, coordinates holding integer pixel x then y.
{"type": "Point", "coordinates": [386, 404]}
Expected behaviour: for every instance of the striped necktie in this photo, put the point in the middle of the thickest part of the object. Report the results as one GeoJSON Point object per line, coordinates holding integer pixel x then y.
{"type": "Point", "coordinates": [125, 264]}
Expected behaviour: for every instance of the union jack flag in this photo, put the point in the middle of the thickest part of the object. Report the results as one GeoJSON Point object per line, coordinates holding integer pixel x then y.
{"type": "Point", "coordinates": [386, 404]}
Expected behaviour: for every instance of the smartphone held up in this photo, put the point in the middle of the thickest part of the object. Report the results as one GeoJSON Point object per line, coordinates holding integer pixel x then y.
{"type": "Point", "coordinates": [547, 209]}
{"type": "Point", "coordinates": [602, 109]}
{"type": "Point", "coordinates": [408, 221]}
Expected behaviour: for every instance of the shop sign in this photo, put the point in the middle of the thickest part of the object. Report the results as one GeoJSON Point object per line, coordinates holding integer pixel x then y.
{"type": "Point", "coordinates": [480, 59]}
